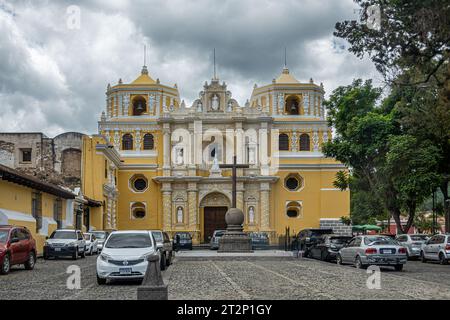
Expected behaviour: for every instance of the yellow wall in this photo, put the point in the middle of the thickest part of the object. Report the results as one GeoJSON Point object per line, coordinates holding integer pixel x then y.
{"type": "Point", "coordinates": [18, 198]}
{"type": "Point", "coordinates": [151, 197]}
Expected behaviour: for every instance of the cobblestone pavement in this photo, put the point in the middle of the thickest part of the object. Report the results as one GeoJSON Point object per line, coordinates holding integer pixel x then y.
{"type": "Point", "coordinates": [248, 279]}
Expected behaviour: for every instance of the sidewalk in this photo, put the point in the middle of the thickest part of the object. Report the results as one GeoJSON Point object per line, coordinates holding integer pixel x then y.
{"type": "Point", "coordinates": [196, 255]}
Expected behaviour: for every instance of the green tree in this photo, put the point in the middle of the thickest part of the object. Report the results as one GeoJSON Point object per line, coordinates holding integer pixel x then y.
{"type": "Point", "coordinates": [411, 49]}
{"type": "Point", "coordinates": [412, 169]}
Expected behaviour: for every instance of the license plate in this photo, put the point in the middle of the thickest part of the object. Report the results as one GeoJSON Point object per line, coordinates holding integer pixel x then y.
{"type": "Point", "coordinates": [388, 251]}
{"type": "Point", "coordinates": [125, 271]}
{"type": "Point", "coordinates": [57, 249]}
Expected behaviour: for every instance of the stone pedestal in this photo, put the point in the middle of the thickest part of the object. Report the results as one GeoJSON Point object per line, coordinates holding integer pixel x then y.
{"type": "Point", "coordinates": [234, 239]}
{"type": "Point", "coordinates": [153, 287]}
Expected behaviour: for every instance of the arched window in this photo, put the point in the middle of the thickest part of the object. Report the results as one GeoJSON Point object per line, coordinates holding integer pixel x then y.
{"type": "Point", "coordinates": [304, 142]}
{"type": "Point", "coordinates": [127, 142]}
{"type": "Point", "coordinates": [293, 209]}
{"type": "Point", "coordinates": [292, 105]}
{"type": "Point", "coordinates": [138, 210]}
{"type": "Point", "coordinates": [149, 142]}
{"type": "Point", "coordinates": [139, 106]}
{"type": "Point", "coordinates": [283, 142]}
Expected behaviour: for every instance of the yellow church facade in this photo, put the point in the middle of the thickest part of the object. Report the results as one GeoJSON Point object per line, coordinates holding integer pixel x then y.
{"type": "Point", "coordinates": [155, 163]}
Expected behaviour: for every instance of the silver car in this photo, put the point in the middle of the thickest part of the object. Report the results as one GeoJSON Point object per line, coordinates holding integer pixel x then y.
{"type": "Point", "coordinates": [363, 251]}
{"type": "Point", "coordinates": [166, 247]}
{"type": "Point", "coordinates": [214, 243]}
{"type": "Point", "coordinates": [413, 243]}
{"type": "Point", "coordinates": [437, 248]}
{"type": "Point", "coordinates": [101, 238]}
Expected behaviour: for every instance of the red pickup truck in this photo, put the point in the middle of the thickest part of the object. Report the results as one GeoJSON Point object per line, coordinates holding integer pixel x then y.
{"type": "Point", "coordinates": [17, 246]}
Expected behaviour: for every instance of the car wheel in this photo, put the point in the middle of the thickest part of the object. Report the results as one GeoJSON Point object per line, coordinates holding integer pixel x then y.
{"type": "Point", "coordinates": [358, 263]}
{"type": "Point", "coordinates": [101, 281]}
{"type": "Point", "coordinates": [75, 254]}
{"type": "Point", "coordinates": [29, 265]}
{"type": "Point", "coordinates": [6, 265]}
{"type": "Point", "coordinates": [398, 267]}
{"type": "Point", "coordinates": [422, 257]}
{"type": "Point", "coordinates": [163, 262]}
{"type": "Point", "coordinates": [339, 260]}
{"type": "Point", "coordinates": [442, 259]}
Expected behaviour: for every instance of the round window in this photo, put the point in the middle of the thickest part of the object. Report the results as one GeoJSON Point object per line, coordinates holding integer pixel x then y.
{"type": "Point", "coordinates": [292, 183]}
{"type": "Point", "coordinates": [140, 184]}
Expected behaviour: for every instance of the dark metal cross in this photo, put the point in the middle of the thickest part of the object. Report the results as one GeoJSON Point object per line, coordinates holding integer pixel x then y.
{"type": "Point", "coordinates": [234, 166]}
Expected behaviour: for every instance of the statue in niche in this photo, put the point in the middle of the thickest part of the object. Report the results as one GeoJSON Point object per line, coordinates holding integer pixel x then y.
{"type": "Point", "coordinates": [251, 155]}
{"type": "Point", "coordinates": [230, 106]}
{"type": "Point", "coordinates": [180, 159]}
{"type": "Point", "coordinates": [180, 215]}
{"type": "Point", "coordinates": [215, 103]}
{"type": "Point", "coordinates": [251, 215]}
{"type": "Point", "coordinates": [199, 106]}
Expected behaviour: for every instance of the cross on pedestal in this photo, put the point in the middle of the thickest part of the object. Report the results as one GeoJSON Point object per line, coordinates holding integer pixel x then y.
{"type": "Point", "coordinates": [234, 166]}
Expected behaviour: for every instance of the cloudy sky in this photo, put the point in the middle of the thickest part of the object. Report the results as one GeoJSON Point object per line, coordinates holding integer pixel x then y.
{"type": "Point", "coordinates": [54, 71]}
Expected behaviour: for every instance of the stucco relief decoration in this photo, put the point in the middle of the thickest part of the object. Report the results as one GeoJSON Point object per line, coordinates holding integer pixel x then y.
{"type": "Point", "coordinates": [281, 102]}
{"type": "Point", "coordinates": [316, 141]}
{"type": "Point", "coordinates": [116, 139]}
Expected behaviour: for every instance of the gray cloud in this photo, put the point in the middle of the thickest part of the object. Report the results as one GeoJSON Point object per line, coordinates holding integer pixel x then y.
{"type": "Point", "coordinates": [54, 78]}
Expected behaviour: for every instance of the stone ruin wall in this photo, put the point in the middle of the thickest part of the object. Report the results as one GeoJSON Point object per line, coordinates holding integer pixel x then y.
{"type": "Point", "coordinates": [54, 160]}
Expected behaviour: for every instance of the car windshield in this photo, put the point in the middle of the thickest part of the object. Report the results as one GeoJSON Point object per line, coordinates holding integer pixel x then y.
{"type": "Point", "coordinates": [3, 236]}
{"type": "Point", "coordinates": [158, 236]}
{"type": "Point", "coordinates": [184, 236]}
{"type": "Point", "coordinates": [99, 235]}
{"type": "Point", "coordinates": [379, 240]}
{"type": "Point", "coordinates": [129, 240]}
{"type": "Point", "coordinates": [87, 237]}
{"type": "Point", "coordinates": [64, 235]}
{"type": "Point", "coordinates": [339, 240]}
{"type": "Point", "coordinates": [419, 237]}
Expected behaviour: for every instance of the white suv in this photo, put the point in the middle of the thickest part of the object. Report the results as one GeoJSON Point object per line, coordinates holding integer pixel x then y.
{"type": "Point", "coordinates": [65, 242]}
{"type": "Point", "coordinates": [437, 248]}
{"type": "Point", "coordinates": [124, 255]}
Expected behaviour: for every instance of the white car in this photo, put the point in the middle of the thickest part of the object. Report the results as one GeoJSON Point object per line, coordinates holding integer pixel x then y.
{"type": "Point", "coordinates": [65, 242]}
{"type": "Point", "coordinates": [124, 255]}
{"type": "Point", "coordinates": [91, 244]}
{"type": "Point", "coordinates": [101, 237]}
{"type": "Point", "coordinates": [436, 248]}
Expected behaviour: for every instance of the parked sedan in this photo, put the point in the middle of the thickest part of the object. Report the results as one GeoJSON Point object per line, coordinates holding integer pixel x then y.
{"type": "Point", "coordinates": [214, 243]}
{"type": "Point", "coordinates": [17, 246]}
{"type": "Point", "coordinates": [162, 239]}
{"type": "Point", "coordinates": [182, 240]}
{"type": "Point", "coordinates": [91, 243]}
{"type": "Point", "coordinates": [363, 251]}
{"type": "Point", "coordinates": [65, 242]}
{"type": "Point", "coordinates": [260, 240]}
{"type": "Point", "coordinates": [437, 248]}
{"type": "Point", "coordinates": [125, 254]}
{"type": "Point", "coordinates": [101, 238]}
{"type": "Point", "coordinates": [326, 247]}
{"type": "Point", "coordinates": [306, 238]}
{"type": "Point", "coordinates": [413, 243]}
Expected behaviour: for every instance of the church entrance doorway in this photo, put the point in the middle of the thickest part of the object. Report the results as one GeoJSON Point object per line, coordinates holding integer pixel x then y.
{"type": "Point", "coordinates": [214, 219]}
